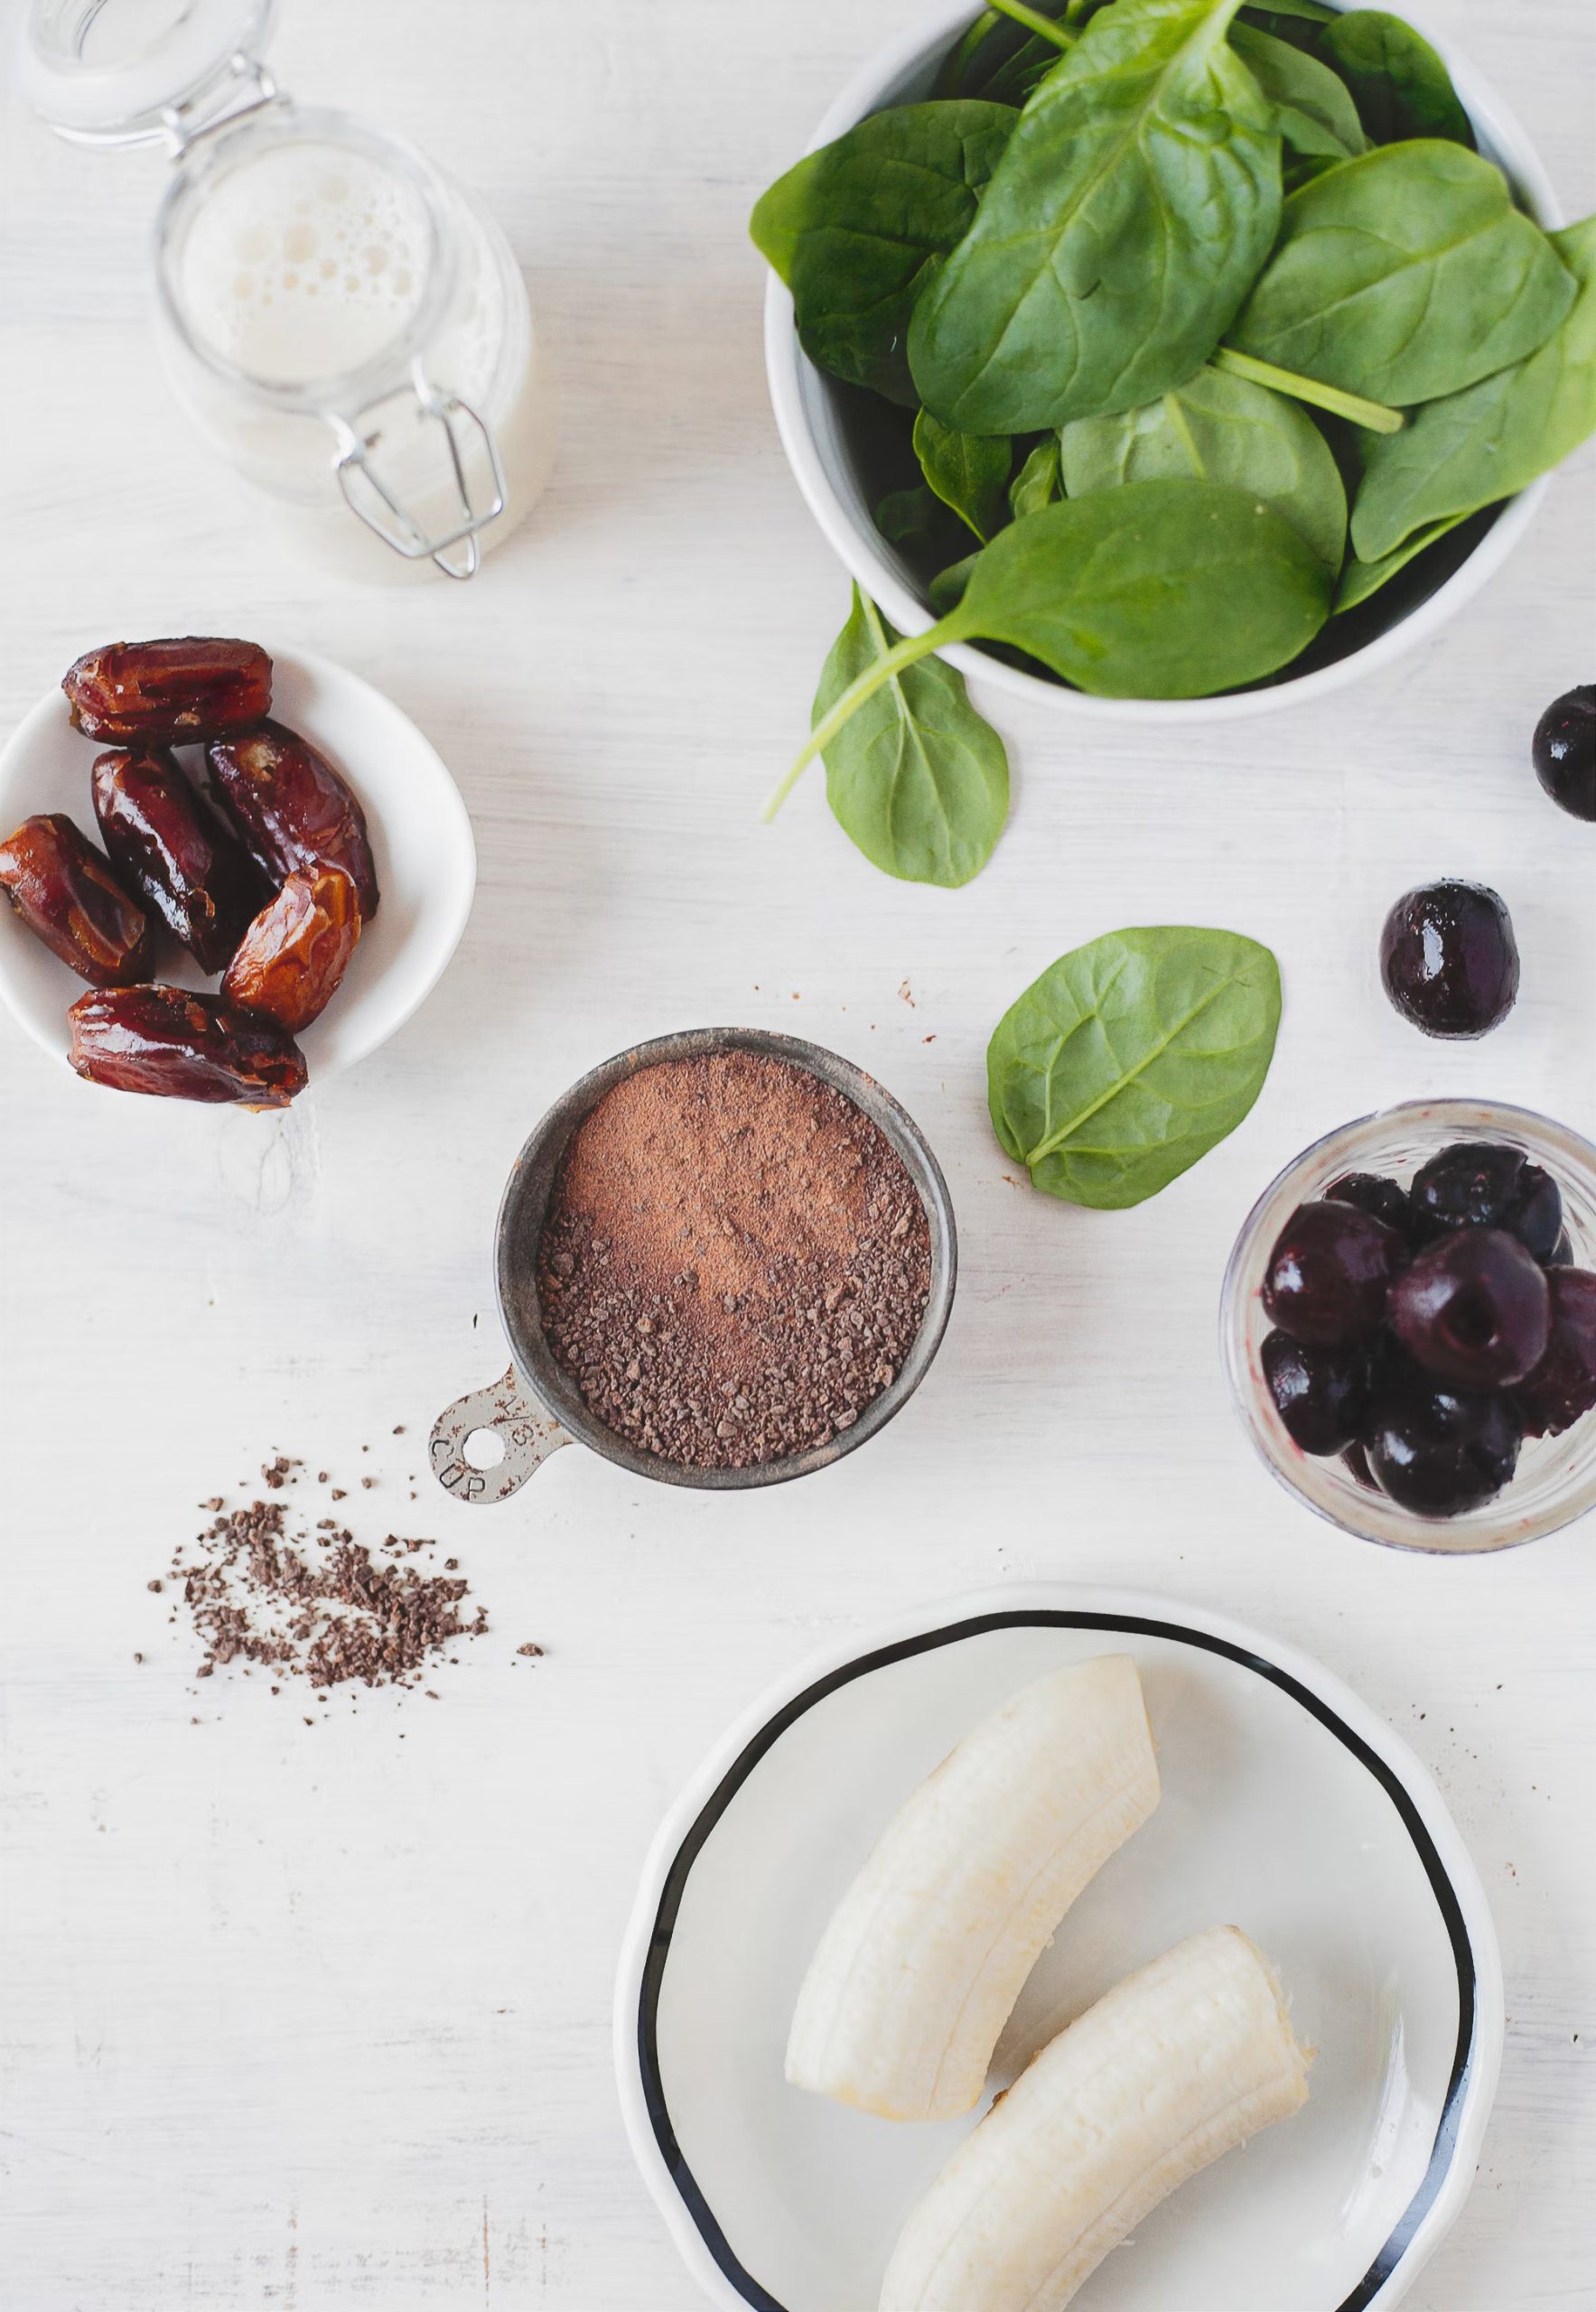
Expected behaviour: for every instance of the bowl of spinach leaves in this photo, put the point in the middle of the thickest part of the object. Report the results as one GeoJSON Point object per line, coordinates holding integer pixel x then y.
{"type": "Point", "coordinates": [1170, 359]}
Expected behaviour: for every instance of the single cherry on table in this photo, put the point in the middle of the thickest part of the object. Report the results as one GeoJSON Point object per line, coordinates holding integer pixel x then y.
{"type": "Point", "coordinates": [1449, 959]}
{"type": "Point", "coordinates": [1563, 752]}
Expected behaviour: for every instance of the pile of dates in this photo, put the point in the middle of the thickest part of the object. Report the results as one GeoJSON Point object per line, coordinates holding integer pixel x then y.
{"type": "Point", "coordinates": [1423, 1333]}
{"type": "Point", "coordinates": [266, 880]}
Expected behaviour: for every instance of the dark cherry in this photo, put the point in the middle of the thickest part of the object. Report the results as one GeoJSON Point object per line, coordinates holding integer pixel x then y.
{"type": "Point", "coordinates": [1473, 1309]}
{"type": "Point", "coordinates": [1561, 1389]}
{"type": "Point", "coordinates": [1322, 1394]}
{"type": "Point", "coordinates": [1328, 1274]}
{"type": "Point", "coordinates": [1371, 1192]}
{"type": "Point", "coordinates": [1355, 1460]}
{"type": "Point", "coordinates": [1535, 1215]}
{"type": "Point", "coordinates": [1436, 1450]}
{"type": "Point", "coordinates": [1450, 960]}
{"type": "Point", "coordinates": [1480, 1184]}
{"type": "Point", "coordinates": [1563, 750]}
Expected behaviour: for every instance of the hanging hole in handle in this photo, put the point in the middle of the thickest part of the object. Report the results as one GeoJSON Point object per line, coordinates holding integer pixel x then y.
{"type": "Point", "coordinates": [487, 1444]}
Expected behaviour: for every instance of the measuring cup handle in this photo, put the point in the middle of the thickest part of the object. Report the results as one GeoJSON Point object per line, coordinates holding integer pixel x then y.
{"type": "Point", "coordinates": [523, 1425]}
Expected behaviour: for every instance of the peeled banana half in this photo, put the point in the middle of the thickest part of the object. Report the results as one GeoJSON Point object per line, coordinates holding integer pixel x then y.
{"type": "Point", "coordinates": [1179, 2062]}
{"type": "Point", "coordinates": [923, 1959]}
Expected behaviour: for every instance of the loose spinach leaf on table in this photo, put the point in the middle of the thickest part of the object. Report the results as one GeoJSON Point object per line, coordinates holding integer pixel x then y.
{"type": "Point", "coordinates": [1037, 483]}
{"type": "Point", "coordinates": [1456, 455]}
{"type": "Point", "coordinates": [968, 472]}
{"type": "Point", "coordinates": [1405, 275]}
{"type": "Point", "coordinates": [1131, 1056]}
{"type": "Point", "coordinates": [854, 228]}
{"type": "Point", "coordinates": [1359, 580]}
{"type": "Point", "coordinates": [1133, 204]}
{"type": "Point", "coordinates": [1219, 428]}
{"type": "Point", "coordinates": [1400, 86]}
{"type": "Point", "coordinates": [1314, 108]}
{"type": "Point", "coordinates": [918, 778]}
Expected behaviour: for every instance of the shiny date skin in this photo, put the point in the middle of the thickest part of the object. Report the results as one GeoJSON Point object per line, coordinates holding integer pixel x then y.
{"type": "Point", "coordinates": [165, 841]}
{"type": "Point", "coordinates": [68, 896]}
{"type": "Point", "coordinates": [297, 949]}
{"type": "Point", "coordinates": [184, 687]}
{"type": "Point", "coordinates": [176, 1045]}
{"type": "Point", "coordinates": [292, 808]}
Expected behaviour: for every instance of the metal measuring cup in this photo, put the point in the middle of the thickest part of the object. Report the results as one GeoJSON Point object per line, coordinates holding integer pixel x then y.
{"type": "Point", "coordinates": [536, 1407]}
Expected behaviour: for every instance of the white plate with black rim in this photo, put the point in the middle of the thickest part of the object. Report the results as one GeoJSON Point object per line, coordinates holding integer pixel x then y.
{"type": "Point", "coordinates": [1289, 1809]}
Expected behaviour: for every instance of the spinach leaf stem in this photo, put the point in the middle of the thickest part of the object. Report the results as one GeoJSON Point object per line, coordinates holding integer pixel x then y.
{"type": "Point", "coordinates": [1372, 416]}
{"type": "Point", "coordinates": [903, 653]}
{"type": "Point", "coordinates": [1034, 20]}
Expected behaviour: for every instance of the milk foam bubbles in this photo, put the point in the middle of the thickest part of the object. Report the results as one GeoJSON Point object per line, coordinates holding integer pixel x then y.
{"type": "Point", "coordinates": [305, 262]}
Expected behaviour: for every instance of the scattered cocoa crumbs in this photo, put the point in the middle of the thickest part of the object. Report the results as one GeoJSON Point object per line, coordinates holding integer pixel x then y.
{"type": "Point", "coordinates": [276, 1473]}
{"type": "Point", "coordinates": [152, 1585]}
{"type": "Point", "coordinates": [735, 1261]}
{"type": "Point", "coordinates": [254, 1595]}
{"type": "Point", "coordinates": [529, 1649]}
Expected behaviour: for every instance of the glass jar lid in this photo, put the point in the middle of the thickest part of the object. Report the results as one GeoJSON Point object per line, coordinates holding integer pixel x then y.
{"type": "Point", "coordinates": [139, 71]}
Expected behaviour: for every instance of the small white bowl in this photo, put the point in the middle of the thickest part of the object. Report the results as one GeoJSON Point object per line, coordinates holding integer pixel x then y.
{"type": "Point", "coordinates": [421, 839]}
{"type": "Point", "coordinates": [1289, 1809]}
{"type": "Point", "coordinates": [809, 416]}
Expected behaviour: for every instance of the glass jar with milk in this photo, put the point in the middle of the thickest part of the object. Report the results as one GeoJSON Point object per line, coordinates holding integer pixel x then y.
{"type": "Point", "coordinates": [345, 323]}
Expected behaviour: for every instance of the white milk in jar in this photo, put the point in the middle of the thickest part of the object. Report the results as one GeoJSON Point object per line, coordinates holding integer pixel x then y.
{"type": "Point", "coordinates": [316, 279]}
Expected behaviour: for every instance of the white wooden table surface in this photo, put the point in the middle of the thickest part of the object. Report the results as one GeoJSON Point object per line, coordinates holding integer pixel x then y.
{"type": "Point", "coordinates": [314, 2016]}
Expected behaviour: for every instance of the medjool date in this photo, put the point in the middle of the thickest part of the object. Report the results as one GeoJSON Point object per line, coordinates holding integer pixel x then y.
{"type": "Point", "coordinates": [188, 686]}
{"type": "Point", "coordinates": [176, 1045]}
{"type": "Point", "coordinates": [67, 895]}
{"type": "Point", "coordinates": [175, 852]}
{"type": "Point", "coordinates": [297, 949]}
{"type": "Point", "coordinates": [292, 808]}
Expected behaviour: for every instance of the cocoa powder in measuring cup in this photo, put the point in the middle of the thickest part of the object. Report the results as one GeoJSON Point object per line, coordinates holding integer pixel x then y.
{"type": "Point", "coordinates": [735, 1261]}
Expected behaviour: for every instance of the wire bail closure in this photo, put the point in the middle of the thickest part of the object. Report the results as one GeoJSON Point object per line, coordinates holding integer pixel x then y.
{"type": "Point", "coordinates": [357, 437]}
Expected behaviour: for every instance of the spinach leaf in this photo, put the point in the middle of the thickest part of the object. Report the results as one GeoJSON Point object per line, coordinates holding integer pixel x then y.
{"type": "Point", "coordinates": [999, 60]}
{"type": "Point", "coordinates": [1133, 206]}
{"type": "Point", "coordinates": [1400, 86]}
{"type": "Point", "coordinates": [1157, 589]}
{"type": "Point", "coordinates": [948, 586]}
{"type": "Point", "coordinates": [1130, 1058]}
{"type": "Point", "coordinates": [968, 472]}
{"type": "Point", "coordinates": [918, 523]}
{"type": "Point", "coordinates": [1359, 580]}
{"type": "Point", "coordinates": [855, 229]}
{"type": "Point", "coordinates": [917, 780]}
{"type": "Point", "coordinates": [1219, 428]}
{"type": "Point", "coordinates": [1313, 109]}
{"type": "Point", "coordinates": [1474, 447]}
{"type": "Point", "coordinates": [1037, 483]}
{"type": "Point", "coordinates": [1405, 274]}
{"type": "Point", "coordinates": [1295, 11]}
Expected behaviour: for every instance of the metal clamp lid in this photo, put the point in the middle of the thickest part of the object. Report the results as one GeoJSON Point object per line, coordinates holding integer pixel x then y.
{"type": "Point", "coordinates": [99, 75]}
{"type": "Point", "coordinates": [360, 480]}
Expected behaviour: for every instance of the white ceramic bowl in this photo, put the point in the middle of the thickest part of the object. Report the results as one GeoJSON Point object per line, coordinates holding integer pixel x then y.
{"type": "Point", "coordinates": [808, 407]}
{"type": "Point", "coordinates": [421, 839]}
{"type": "Point", "coordinates": [1289, 1809]}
